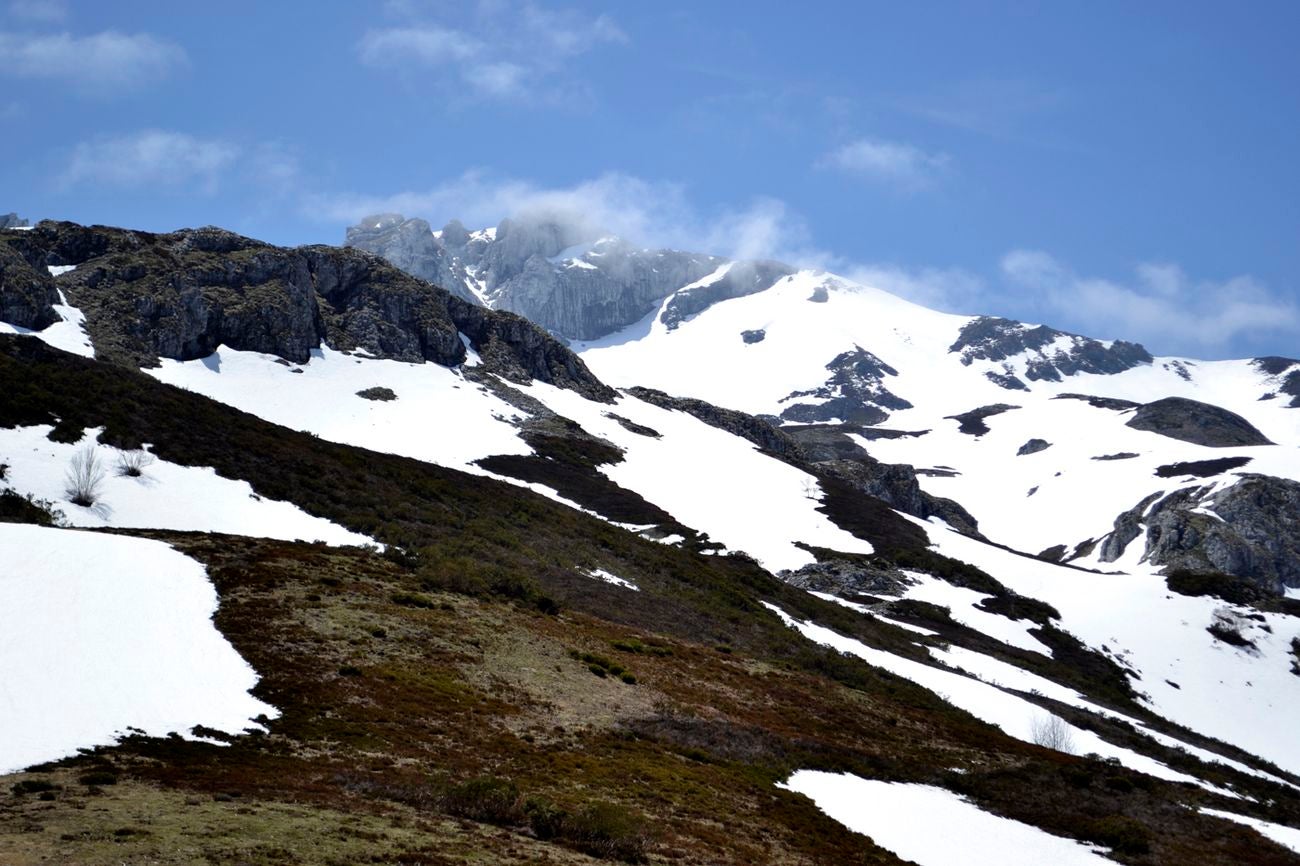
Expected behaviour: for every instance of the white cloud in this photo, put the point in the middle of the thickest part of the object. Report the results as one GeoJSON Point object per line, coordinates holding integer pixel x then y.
{"type": "Point", "coordinates": [1161, 305]}
{"type": "Point", "coordinates": [500, 50]}
{"type": "Point", "coordinates": [39, 10]}
{"type": "Point", "coordinates": [901, 165]}
{"type": "Point", "coordinates": [154, 158]}
{"type": "Point", "coordinates": [650, 213]}
{"type": "Point", "coordinates": [102, 63]}
{"type": "Point", "coordinates": [952, 290]}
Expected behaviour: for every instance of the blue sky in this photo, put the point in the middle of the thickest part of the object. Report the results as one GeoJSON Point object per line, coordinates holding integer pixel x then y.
{"type": "Point", "coordinates": [1122, 170]}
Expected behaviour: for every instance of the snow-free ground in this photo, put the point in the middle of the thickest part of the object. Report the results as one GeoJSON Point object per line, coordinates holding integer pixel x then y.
{"type": "Point", "coordinates": [101, 635]}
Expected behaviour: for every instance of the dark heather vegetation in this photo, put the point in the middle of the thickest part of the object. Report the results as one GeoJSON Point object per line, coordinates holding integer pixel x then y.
{"type": "Point", "coordinates": [439, 704]}
{"type": "Point", "coordinates": [1201, 468]}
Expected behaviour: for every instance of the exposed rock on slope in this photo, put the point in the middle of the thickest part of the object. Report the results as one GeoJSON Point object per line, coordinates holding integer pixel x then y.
{"type": "Point", "coordinates": [825, 449]}
{"type": "Point", "coordinates": [855, 393]}
{"type": "Point", "coordinates": [27, 293]}
{"type": "Point", "coordinates": [1196, 422]}
{"type": "Point", "coordinates": [1049, 354]}
{"type": "Point", "coordinates": [181, 295]}
{"type": "Point", "coordinates": [565, 279]}
{"type": "Point", "coordinates": [1251, 530]}
{"type": "Point", "coordinates": [1287, 371]}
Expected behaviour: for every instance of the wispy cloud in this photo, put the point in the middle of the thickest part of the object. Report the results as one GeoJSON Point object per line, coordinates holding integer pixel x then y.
{"type": "Point", "coordinates": [101, 64]}
{"type": "Point", "coordinates": [997, 107]}
{"type": "Point", "coordinates": [39, 10]}
{"type": "Point", "coordinates": [1160, 304]}
{"type": "Point", "coordinates": [897, 164]}
{"type": "Point", "coordinates": [502, 50]}
{"type": "Point", "coordinates": [160, 159]}
{"type": "Point", "coordinates": [650, 213]}
{"type": "Point", "coordinates": [153, 158]}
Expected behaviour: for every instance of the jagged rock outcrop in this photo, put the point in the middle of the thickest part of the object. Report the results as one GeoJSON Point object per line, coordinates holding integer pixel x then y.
{"type": "Point", "coordinates": [565, 278]}
{"type": "Point", "coordinates": [759, 432]}
{"type": "Point", "coordinates": [855, 393]}
{"type": "Point", "coordinates": [27, 293]}
{"type": "Point", "coordinates": [182, 295]}
{"type": "Point", "coordinates": [410, 245]}
{"type": "Point", "coordinates": [1196, 422]}
{"type": "Point", "coordinates": [1048, 354]}
{"type": "Point", "coordinates": [1252, 531]}
{"type": "Point", "coordinates": [12, 221]}
{"type": "Point", "coordinates": [847, 578]}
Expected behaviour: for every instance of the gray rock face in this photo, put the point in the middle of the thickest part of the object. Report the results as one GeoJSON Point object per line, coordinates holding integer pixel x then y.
{"type": "Point", "coordinates": [855, 393]}
{"type": "Point", "coordinates": [1196, 422]}
{"type": "Point", "coordinates": [755, 336]}
{"type": "Point", "coordinates": [181, 295]}
{"type": "Point", "coordinates": [1044, 350]}
{"type": "Point", "coordinates": [1256, 534]}
{"type": "Point", "coordinates": [565, 279]}
{"type": "Point", "coordinates": [1112, 403]}
{"type": "Point", "coordinates": [12, 221]}
{"type": "Point", "coordinates": [1033, 446]}
{"type": "Point", "coordinates": [755, 430]}
{"type": "Point", "coordinates": [27, 293]}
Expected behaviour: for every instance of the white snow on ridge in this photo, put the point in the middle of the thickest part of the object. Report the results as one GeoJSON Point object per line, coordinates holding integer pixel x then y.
{"type": "Point", "coordinates": [437, 417]}
{"type": "Point", "coordinates": [101, 633]}
{"type": "Point", "coordinates": [68, 334]}
{"type": "Point", "coordinates": [1188, 676]}
{"type": "Point", "coordinates": [605, 576]}
{"type": "Point", "coordinates": [166, 496]}
{"type": "Point", "coordinates": [933, 826]}
{"type": "Point", "coordinates": [1014, 715]}
{"type": "Point", "coordinates": [710, 480]}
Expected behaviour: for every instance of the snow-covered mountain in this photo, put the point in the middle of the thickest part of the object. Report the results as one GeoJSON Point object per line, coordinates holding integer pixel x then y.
{"type": "Point", "coordinates": [1079, 545]}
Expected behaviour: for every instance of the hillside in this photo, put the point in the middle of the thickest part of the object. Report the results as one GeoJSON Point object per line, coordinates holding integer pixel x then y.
{"type": "Point", "coordinates": [472, 602]}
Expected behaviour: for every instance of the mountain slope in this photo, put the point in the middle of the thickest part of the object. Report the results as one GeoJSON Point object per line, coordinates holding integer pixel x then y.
{"type": "Point", "coordinates": [546, 534]}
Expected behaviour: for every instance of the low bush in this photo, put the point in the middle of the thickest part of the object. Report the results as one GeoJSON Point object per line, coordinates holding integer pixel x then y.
{"type": "Point", "coordinates": [32, 786]}
{"type": "Point", "coordinates": [488, 799]}
{"type": "Point", "coordinates": [1124, 835]}
{"type": "Point", "coordinates": [608, 830]}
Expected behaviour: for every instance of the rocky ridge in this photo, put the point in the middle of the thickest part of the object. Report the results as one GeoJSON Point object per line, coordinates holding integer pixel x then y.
{"type": "Point", "coordinates": [183, 294]}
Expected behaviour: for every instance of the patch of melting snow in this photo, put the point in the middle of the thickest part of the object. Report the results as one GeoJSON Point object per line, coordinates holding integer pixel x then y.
{"type": "Point", "coordinates": [128, 642]}
{"type": "Point", "coordinates": [602, 574]}
{"type": "Point", "coordinates": [933, 826]}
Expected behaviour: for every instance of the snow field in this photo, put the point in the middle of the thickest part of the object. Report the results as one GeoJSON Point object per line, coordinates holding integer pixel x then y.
{"type": "Point", "coordinates": [934, 827]}
{"type": "Point", "coordinates": [166, 496]}
{"type": "Point", "coordinates": [103, 633]}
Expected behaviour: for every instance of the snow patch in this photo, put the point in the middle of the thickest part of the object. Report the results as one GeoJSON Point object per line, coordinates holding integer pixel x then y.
{"type": "Point", "coordinates": [101, 633]}
{"type": "Point", "coordinates": [933, 826]}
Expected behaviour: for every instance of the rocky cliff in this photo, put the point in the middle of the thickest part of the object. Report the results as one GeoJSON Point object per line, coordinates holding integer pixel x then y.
{"type": "Point", "coordinates": [573, 282]}
{"type": "Point", "coordinates": [182, 295]}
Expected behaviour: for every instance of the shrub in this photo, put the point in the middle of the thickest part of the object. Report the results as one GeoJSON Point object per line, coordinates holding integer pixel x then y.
{"type": "Point", "coordinates": [33, 786]}
{"type": "Point", "coordinates": [487, 799]}
{"type": "Point", "coordinates": [545, 818]}
{"type": "Point", "coordinates": [608, 830]}
{"type": "Point", "coordinates": [1124, 835]}
{"type": "Point", "coordinates": [132, 463]}
{"type": "Point", "coordinates": [98, 777]}
{"type": "Point", "coordinates": [1051, 732]}
{"type": "Point", "coordinates": [84, 478]}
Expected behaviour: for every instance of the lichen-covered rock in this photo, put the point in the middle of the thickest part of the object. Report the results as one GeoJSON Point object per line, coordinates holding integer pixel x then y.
{"type": "Point", "coordinates": [1196, 422]}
